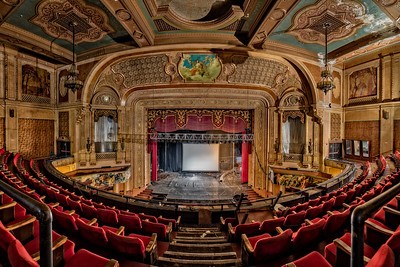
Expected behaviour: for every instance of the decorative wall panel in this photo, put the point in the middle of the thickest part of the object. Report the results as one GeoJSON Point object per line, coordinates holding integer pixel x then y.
{"type": "Point", "coordinates": [144, 70]}
{"type": "Point", "coordinates": [364, 130]}
{"type": "Point", "coordinates": [396, 135]}
{"type": "Point", "coordinates": [35, 138]}
{"type": "Point", "coordinates": [2, 132]}
{"type": "Point", "coordinates": [63, 123]}
{"type": "Point", "coordinates": [335, 126]}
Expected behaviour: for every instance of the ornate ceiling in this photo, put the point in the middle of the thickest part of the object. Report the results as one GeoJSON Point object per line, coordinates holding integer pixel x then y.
{"type": "Point", "coordinates": [42, 27]}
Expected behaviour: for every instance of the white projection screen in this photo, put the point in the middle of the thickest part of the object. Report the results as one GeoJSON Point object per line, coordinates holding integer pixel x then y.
{"type": "Point", "coordinates": [200, 157]}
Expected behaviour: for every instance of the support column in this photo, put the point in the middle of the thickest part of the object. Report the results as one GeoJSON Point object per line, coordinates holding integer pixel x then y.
{"type": "Point", "coordinates": [154, 161]}
{"type": "Point", "coordinates": [245, 162]}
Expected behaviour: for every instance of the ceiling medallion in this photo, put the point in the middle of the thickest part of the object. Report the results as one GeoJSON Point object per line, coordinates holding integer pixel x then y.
{"type": "Point", "coordinates": [345, 18]}
{"type": "Point", "coordinates": [55, 16]}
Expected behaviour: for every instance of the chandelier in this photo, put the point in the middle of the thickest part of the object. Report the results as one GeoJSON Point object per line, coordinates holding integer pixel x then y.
{"type": "Point", "coordinates": [326, 82]}
{"type": "Point", "coordinates": [72, 82]}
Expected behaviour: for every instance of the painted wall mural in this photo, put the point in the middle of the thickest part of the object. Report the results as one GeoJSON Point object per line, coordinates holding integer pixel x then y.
{"type": "Point", "coordinates": [35, 81]}
{"type": "Point", "coordinates": [363, 83]}
{"type": "Point", "coordinates": [199, 67]}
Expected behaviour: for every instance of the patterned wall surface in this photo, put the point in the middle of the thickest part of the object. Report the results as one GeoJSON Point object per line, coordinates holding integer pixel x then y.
{"type": "Point", "coordinates": [335, 126]}
{"type": "Point", "coordinates": [63, 123]}
{"type": "Point", "coordinates": [396, 135]}
{"type": "Point", "coordinates": [35, 137]}
{"type": "Point", "coordinates": [2, 132]}
{"type": "Point", "coordinates": [364, 130]}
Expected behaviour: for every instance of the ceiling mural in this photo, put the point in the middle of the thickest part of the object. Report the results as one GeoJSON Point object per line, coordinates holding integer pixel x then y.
{"type": "Point", "coordinates": [41, 27]}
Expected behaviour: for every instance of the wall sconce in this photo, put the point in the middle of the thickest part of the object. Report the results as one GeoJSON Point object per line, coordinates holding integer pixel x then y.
{"type": "Point", "coordinates": [123, 143]}
{"type": "Point", "coordinates": [385, 114]}
{"type": "Point", "coordinates": [88, 144]}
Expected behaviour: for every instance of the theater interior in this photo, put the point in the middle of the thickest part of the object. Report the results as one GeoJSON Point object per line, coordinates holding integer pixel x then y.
{"type": "Point", "coordinates": [199, 133]}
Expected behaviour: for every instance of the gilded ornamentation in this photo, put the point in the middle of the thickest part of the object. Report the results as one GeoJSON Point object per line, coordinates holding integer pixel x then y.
{"type": "Point", "coordinates": [106, 99]}
{"type": "Point", "coordinates": [55, 16]}
{"type": "Point", "coordinates": [256, 71]}
{"type": "Point", "coordinates": [294, 100]}
{"type": "Point", "coordinates": [63, 123]}
{"type": "Point", "coordinates": [143, 70]}
{"type": "Point", "coordinates": [80, 112]}
{"type": "Point", "coordinates": [181, 116]}
{"type": "Point", "coordinates": [293, 114]}
{"type": "Point", "coordinates": [199, 67]}
{"type": "Point", "coordinates": [388, 2]}
{"type": "Point", "coordinates": [345, 18]}
{"type": "Point", "coordinates": [105, 113]}
{"type": "Point", "coordinates": [335, 126]}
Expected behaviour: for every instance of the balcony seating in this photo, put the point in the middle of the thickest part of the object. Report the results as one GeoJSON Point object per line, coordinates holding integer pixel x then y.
{"type": "Point", "coordinates": [132, 223]}
{"type": "Point", "coordinates": [150, 218]}
{"type": "Point", "coordinates": [138, 247]}
{"type": "Point", "coordinates": [259, 249]}
{"type": "Point", "coordinates": [384, 257]}
{"type": "Point", "coordinates": [309, 234]}
{"type": "Point", "coordinates": [89, 212]}
{"type": "Point", "coordinates": [67, 221]}
{"type": "Point", "coordinates": [163, 232]}
{"type": "Point", "coordinates": [235, 232]}
{"type": "Point", "coordinates": [335, 222]}
{"type": "Point", "coordinates": [314, 202]}
{"type": "Point", "coordinates": [76, 206]}
{"type": "Point", "coordinates": [339, 200]}
{"type": "Point", "coordinates": [327, 205]}
{"type": "Point", "coordinates": [269, 226]}
{"type": "Point", "coordinates": [12, 212]}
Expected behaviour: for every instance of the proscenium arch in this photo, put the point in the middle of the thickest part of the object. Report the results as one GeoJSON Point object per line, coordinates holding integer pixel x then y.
{"type": "Point", "coordinates": [140, 101]}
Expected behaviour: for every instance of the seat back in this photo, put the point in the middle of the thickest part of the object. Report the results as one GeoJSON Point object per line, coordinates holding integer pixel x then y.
{"type": "Point", "coordinates": [76, 206]}
{"type": "Point", "coordinates": [384, 257]}
{"type": "Point", "coordinates": [107, 217]}
{"type": "Point", "coordinates": [339, 200]}
{"type": "Point", "coordinates": [294, 220]}
{"type": "Point", "coordinates": [127, 245]}
{"type": "Point", "coordinates": [6, 238]}
{"type": "Point", "coordinates": [18, 256]}
{"type": "Point", "coordinates": [308, 234]}
{"type": "Point", "coordinates": [160, 229]}
{"type": "Point", "coordinates": [394, 241]}
{"type": "Point", "coordinates": [62, 199]}
{"type": "Point", "coordinates": [89, 212]}
{"type": "Point", "coordinates": [269, 226]}
{"type": "Point", "coordinates": [132, 223]}
{"type": "Point", "coordinates": [328, 205]}
{"type": "Point", "coordinates": [66, 221]}
{"type": "Point", "coordinates": [272, 247]}
{"type": "Point", "coordinates": [250, 229]}
{"type": "Point", "coordinates": [151, 218]}
{"type": "Point", "coordinates": [94, 234]}
{"type": "Point", "coordinates": [313, 212]}
{"type": "Point", "coordinates": [335, 222]}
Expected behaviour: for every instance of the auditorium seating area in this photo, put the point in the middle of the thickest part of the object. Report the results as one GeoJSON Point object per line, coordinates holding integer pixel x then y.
{"type": "Point", "coordinates": [315, 232]}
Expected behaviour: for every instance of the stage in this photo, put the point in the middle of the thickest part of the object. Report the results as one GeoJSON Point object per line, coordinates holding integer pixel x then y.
{"type": "Point", "coordinates": [198, 186]}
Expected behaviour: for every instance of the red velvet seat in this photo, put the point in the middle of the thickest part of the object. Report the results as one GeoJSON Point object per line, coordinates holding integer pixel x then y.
{"type": "Point", "coordinates": [294, 220]}
{"type": "Point", "coordinates": [384, 257]}
{"type": "Point", "coordinates": [62, 199]}
{"type": "Point", "coordinates": [67, 221]}
{"type": "Point", "coordinates": [18, 257]}
{"type": "Point", "coordinates": [260, 249]}
{"type": "Point", "coordinates": [94, 234]}
{"type": "Point", "coordinates": [76, 206]}
{"type": "Point", "coordinates": [107, 217]}
{"type": "Point", "coordinates": [327, 205]}
{"type": "Point", "coordinates": [269, 226]}
{"type": "Point", "coordinates": [308, 234]}
{"type": "Point", "coordinates": [138, 247]}
{"type": "Point", "coordinates": [339, 200]}
{"type": "Point", "coordinates": [150, 218]}
{"type": "Point", "coordinates": [224, 222]}
{"type": "Point", "coordinates": [166, 221]}
{"type": "Point", "coordinates": [313, 212]}
{"type": "Point", "coordinates": [235, 232]}
{"type": "Point", "coordinates": [163, 232]}
{"type": "Point", "coordinates": [89, 212]}
{"type": "Point", "coordinates": [350, 195]}
{"type": "Point", "coordinates": [314, 202]}
{"type": "Point", "coordinates": [335, 222]}
{"type": "Point", "coordinates": [132, 223]}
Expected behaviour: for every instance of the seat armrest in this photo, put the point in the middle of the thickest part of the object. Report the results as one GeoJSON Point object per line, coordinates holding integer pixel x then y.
{"type": "Point", "coordinates": [8, 205]}
{"type": "Point", "coordinates": [308, 222]}
{"type": "Point", "coordinates": [330, 213]}
{"type": "Point", "coordinates": [54, 205]}
{"type": "Point", "coordinates": [169, 227]}
{"type": "Point", "coordinates": [346, 205]}
{"type": "Point", "coordinates": [246, 244]}
{"type": "Point", "coordinates": [111, 263]}
{"type": "Point", "coordinates": [70, 212]}
{"type": "Point", "coordinates": [378, 228]}
{"type": "Point", "coordinates": [230, 229]}
{"type": "Point", "coordinates": [92, 221]}
{"type": "Point", "coordinates": [42, 197]}
{"type": "Point", "coordinates": [120, 230]}
{"type": "Point", "coordinates": [60, 241]}
{"type": "Point", "coordinates": [279, 230]}
{"type": "Point", "coordinates": [25, 222]}
{"type": "Point", "coordinates": [178, 221]}
{"type": "Point", "coordinates": [152, 244]}
{"type": "Point", "coordinates": [391, 210]}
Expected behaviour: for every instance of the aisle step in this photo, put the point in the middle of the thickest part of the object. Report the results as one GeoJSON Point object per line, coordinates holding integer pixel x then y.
{"type": "Point", "coordinates": [201, 256]}
{"type": "Point", "coordinates": [162, 261]}
{"type": "Point", "coordinates": [201, 248]}
{"type": "Point", "coordinates": [209, 240]}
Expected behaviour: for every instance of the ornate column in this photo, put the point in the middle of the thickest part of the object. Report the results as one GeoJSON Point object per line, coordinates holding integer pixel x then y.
{"type": "Point", "coordinates": [278, 140]}
{"type": "Point", "coordinates": [154, 160]}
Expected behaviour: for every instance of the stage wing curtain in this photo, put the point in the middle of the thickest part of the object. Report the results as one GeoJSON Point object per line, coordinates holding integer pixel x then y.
{"type": "Point", "coordinates": [170, 156]}
{"type": "Point", "coordinates": [293, 136]}
{"type": "Point", "coordinates": [203, 123]}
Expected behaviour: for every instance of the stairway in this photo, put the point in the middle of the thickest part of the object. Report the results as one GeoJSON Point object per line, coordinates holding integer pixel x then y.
{"type": "Point", "coordinates": [199, 246]}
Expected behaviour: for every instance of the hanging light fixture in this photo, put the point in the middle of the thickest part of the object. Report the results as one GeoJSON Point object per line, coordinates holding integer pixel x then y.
{"type": "Point", "coordinates": [72, 82]}
{"type": "Point", "coordinates": [326, 82]}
